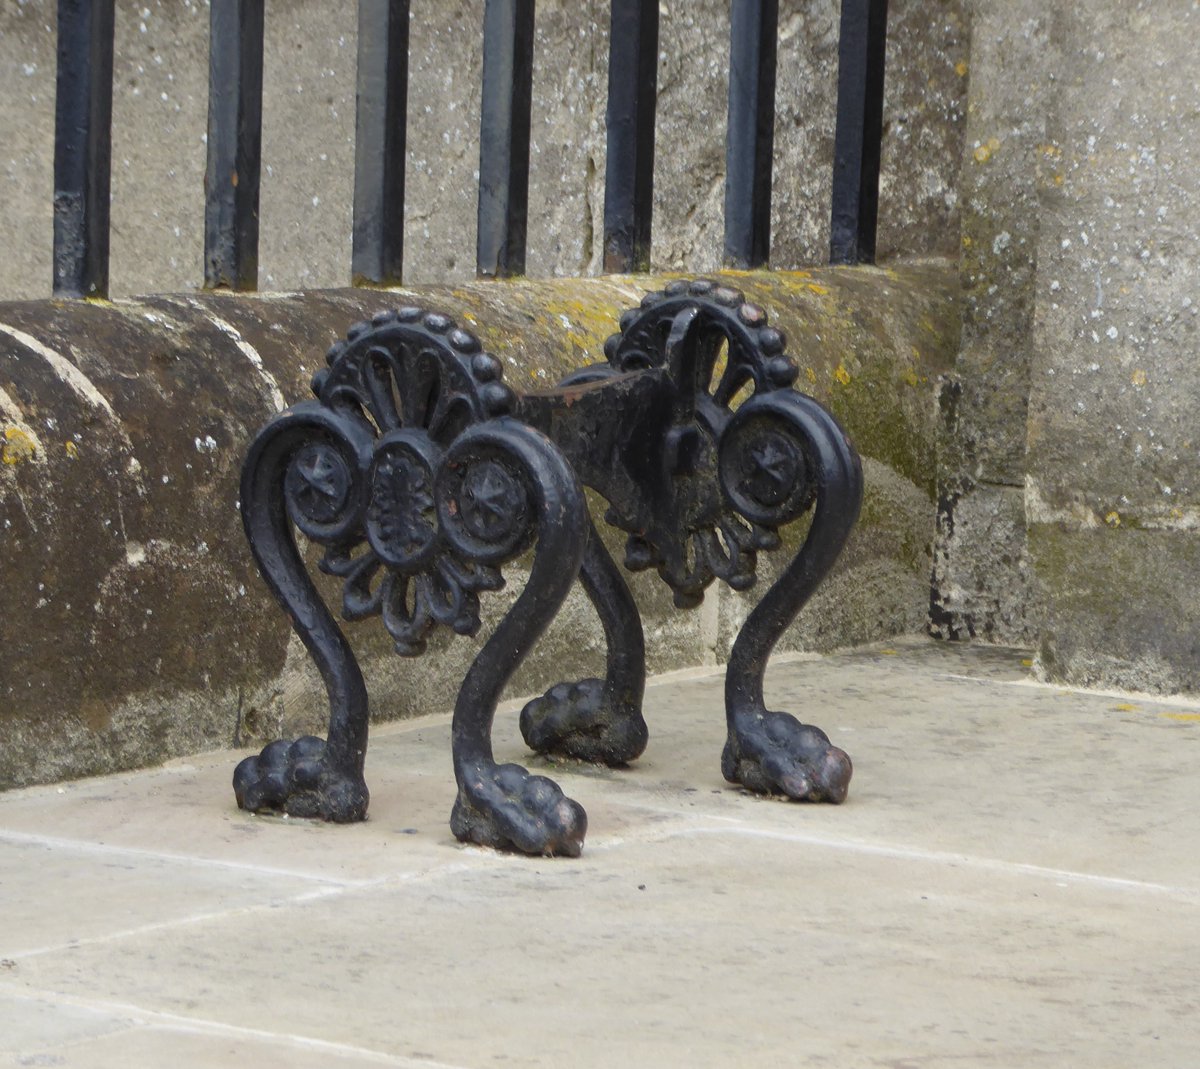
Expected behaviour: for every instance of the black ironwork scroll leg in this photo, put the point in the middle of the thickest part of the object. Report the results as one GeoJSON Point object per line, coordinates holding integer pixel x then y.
{"type": "Point", "coordinates": [768, 751]}
{"type": "Point", "coordinates": [526, 476]}
{"type": "Point", "coordinates": [308, 777]}
{"type": "Point", "coordinates": [598, 719]}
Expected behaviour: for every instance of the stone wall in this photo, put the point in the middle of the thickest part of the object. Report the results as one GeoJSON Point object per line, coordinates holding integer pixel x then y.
{"type": "Point", "coordinates": [981, 583]}
{"type": "Point", "coordinates": [1113, 476]}
{"type": "Point", "coordinates": [1069, 467]}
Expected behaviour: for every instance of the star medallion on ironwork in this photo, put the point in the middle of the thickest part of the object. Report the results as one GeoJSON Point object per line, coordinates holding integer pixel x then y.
{"type": "Point", "coordinates": [319, 482]}
{"type": "Point", "coordinates": [773, 470]}
{"type": "Point", "coordinates": [489, 501]}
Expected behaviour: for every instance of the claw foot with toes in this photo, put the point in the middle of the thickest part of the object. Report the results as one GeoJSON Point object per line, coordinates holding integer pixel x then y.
{"type": "Point", "coordinates": [773, 753]}
{"type": "Point", "coordinates": [293, 778]}
{"type": "Point", "coordinates": [580, 720]}
{"type": "Point", "coordinates": [505, 807]}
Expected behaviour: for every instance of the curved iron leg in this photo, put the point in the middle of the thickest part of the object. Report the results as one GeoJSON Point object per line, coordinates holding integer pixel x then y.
{"type": "Point", "coordinates": [598, 719]}
{"type": "Point", "coordinates": [773, 752]}
{"type": "Point", "coordinates": [308, 777]}
{"type": "Point", "coordinates": [504, 806]}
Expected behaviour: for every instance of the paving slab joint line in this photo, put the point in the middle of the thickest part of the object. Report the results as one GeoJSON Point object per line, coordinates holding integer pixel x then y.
{"type": "Point", "coordinates": [83, 846]}
{"type": "Point", "coordinates": [141, 1017]}
{"type": "Point", "coordinates": [274, 905]}
{"type": "Point", "coordinates": [1183, 701]}
{"type": "Point", "coordinates": [917, 854]}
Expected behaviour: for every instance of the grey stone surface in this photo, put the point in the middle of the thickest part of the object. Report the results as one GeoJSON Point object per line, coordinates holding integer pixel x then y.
{"type": "Point", "coordinates": [984, 897]}
{"type": "Point", "coordinates": [1112, 478]}
{"type": "Point", "coordinates": [981, 570]}
{"type": "Point", "coordinates": [27, 147]}
{"type": "Point", "coordinates": [1108, 432]}
{"type": "Point", "coordinates": [1064, 449]}
{"type": "Point", "coordinates": [925, 126]}
{"type": "Point", "coordinates": [160, 117]}
{"type": "Point", "coordinates": [1074, 383]}
{"type": "Point", "coordinates": [1120, 609]}
{"type": "Point", "coordinates": [981, 582]}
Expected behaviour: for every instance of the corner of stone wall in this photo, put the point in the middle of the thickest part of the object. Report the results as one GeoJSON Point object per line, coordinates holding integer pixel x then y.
{"type": "Point", "coordinates": [980, 585]}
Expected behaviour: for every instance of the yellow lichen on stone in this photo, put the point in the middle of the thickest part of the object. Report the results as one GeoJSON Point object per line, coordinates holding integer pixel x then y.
{"type": "Point", "coordinates": [17, 446]}
{"type": "Point", "coordinates": [1113, 519]}
{"type": "Point", "coordinates": [72, 450]}
{"type": "Point", "coordinates": [812, 375]}
{"type": "Point", "coordinates": [596, 314]}
{"type": "Point", "coordinates": [911, 377]}
{"type": "Point", "coordinates": [984, 151]}
{"type": "Point", "coordinates": [720, 364]}
{"type": "Point", "coordinates": [842, 375]}
{"type": "Point", "coordinates": [961, 68]}
{"type": "Point", "coordinates": [1138, 378]}
{"type": "Point", "coordinates": [587, 323]}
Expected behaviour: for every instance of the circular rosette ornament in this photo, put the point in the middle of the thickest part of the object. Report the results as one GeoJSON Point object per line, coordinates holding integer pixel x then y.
{"type": "Point", "coordinates": [765, 468]}
{"type": "Point", "coordinates": [483, 497]}
{"type": "Point", "coordinates": [401, 519]}
{"type": "Point", "coordinates": [323, 489]}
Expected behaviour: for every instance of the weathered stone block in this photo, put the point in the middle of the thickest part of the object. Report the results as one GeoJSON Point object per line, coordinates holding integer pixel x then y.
{"type": "Point", "coordinates": [1119, 610]}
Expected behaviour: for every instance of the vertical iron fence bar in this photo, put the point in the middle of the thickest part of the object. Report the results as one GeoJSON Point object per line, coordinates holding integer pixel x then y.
{"type": "Point", "coordinates": [235, 65]}
{"type": "Point", "coordinates": [504, 137]}
{"type": "Point", "coordinates": [750, 141]}
{"type": "Point", "coordinates": [862, 51]}
{"type": "Point", "coordinates": [83, 147]}
{"type": "Point", "coordinates": [629, 171]}
{"type": "Point", "coordinates": [379, 142]}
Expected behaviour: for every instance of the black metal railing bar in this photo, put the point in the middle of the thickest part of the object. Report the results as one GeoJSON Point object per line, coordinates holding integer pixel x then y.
{"type": "Point", "coordinates": [83, 139]}
{"type": "Point", "coordinates": [83, 147]}
{"type": "Point", "coordinates": [862, 51]}
{"type": "Point", "coordinates": [504, 127]}
{"type": "Point", "coordinates": [629, 166]}
{"type": "Point", "coordinates": [380, 143]}
{"type": "Point", "coordinates": [235, 69]}
{"type": "Point", "coordinates": [750, 136]}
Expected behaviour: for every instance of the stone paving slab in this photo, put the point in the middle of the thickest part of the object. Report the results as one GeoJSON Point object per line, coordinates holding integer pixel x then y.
{"type": "Point", "coordinates": [1014, 881]}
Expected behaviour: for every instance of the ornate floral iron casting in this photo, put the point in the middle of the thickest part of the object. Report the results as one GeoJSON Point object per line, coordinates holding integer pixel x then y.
{"type": "Point", "coordinates": [421, 474]}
